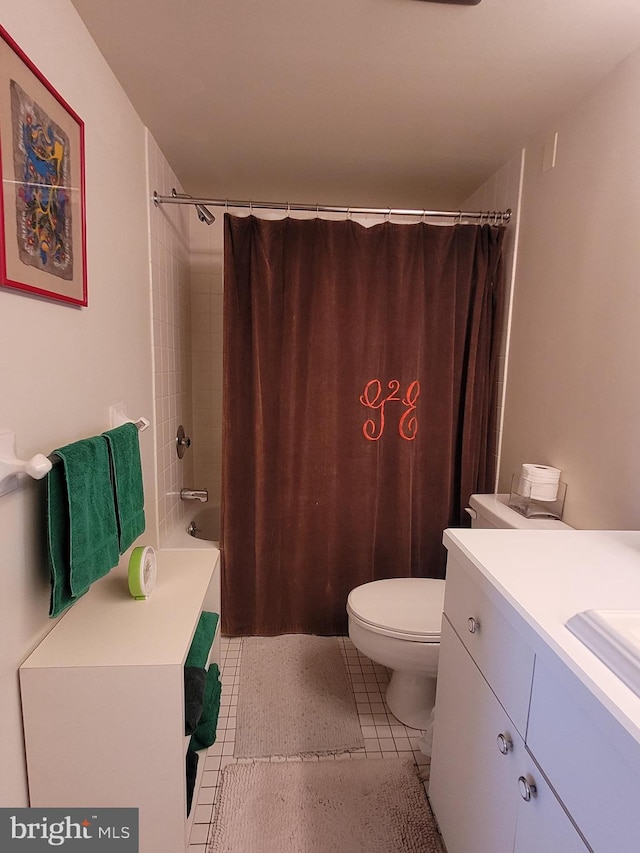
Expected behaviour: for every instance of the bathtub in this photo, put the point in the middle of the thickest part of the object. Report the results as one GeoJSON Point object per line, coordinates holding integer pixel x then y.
{"type": "Point", "coordinates": [207, 521]}
{"type": "Point", "coordinates": [206, 524]}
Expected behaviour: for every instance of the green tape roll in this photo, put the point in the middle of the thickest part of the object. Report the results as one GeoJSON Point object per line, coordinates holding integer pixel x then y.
{"type": "Point", "coordinates": [142, 572]}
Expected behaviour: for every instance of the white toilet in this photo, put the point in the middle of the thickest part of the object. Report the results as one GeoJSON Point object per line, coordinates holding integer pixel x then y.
{"type": "Point", "coordinates": [396, 622]}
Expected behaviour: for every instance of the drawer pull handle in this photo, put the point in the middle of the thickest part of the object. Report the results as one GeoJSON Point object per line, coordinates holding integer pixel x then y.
{"type": "Point", "coordinates": [505, 744]}
{"type": "Point", "coordinates": [473, 625]}
{"type": "Point", "coordinates": [527, 789]}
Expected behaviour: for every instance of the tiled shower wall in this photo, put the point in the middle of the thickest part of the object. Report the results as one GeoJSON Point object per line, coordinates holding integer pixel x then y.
{"type": "Point", "coordinates": [171, 335]}
{"type": "Point", "coordinates": [501, 192]}
{"type": "Point", "coordinates": [206, 326]}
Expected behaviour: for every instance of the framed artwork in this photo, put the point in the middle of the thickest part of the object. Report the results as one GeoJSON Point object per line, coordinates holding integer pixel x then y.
{"type": "Point", "coordinates": [42, 203]}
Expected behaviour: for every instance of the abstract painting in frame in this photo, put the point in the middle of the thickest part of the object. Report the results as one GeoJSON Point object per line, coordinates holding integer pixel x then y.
{"type": "Point", "coordinates": [42, 203]}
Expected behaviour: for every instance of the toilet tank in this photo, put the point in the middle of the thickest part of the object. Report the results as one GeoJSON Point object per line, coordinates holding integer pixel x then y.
{"type": "Point", "coordinates": [488, 511]}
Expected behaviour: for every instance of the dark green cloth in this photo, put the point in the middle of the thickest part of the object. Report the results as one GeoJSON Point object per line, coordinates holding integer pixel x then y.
{"type": "Point", "coordinates": [205, 733]}
{"type": "Point", "coordinates": [81, 524]}
{"type": "Point", "coordinates": [195, 681]}
{"type": "Point", "coordinates": [126, 471]}
{"type": "Point", "coordinates": [191, 773]}
{"type": "Point", "coordinates": [58, 541]}
{"type": "Point", "coordinates": [202, 640]}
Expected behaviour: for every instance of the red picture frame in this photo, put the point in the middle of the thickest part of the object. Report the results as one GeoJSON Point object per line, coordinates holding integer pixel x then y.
{"type": "Point", "coordinates": [42, 199]}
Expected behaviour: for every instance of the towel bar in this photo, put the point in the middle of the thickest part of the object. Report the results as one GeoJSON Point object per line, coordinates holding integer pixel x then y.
{"type": "Point", "coordinates": [141, 424]}
{"type": "Point", "coordinates": [39, 465]}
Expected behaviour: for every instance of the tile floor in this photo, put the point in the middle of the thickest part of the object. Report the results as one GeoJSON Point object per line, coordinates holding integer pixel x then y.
{"type": "Point", "coordinates": [384, 736]}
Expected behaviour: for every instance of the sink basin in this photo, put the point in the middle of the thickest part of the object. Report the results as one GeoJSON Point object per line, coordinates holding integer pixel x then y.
{"type": "Point", "coordinates": [614, 637]}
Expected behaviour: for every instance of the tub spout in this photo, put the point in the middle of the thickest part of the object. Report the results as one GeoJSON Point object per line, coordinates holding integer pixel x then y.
{"type": "Point", "coordinates": [194, 495]}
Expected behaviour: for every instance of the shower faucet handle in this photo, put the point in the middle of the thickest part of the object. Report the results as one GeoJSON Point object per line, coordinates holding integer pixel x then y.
{"type": "Point", "coordinates": [183, 442]}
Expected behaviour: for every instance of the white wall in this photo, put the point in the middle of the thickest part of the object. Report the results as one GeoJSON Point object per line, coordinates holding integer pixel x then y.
{"type": "Point", "coordinates": [503, 191]}
{"type": "Point", "coordinates": [62, 367]}
{"type": "Point", "coordinates": [573, 395]}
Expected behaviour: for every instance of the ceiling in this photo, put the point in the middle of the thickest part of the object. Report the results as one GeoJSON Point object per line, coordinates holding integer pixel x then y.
{"type": "Point", "coordinates": [387, 103]}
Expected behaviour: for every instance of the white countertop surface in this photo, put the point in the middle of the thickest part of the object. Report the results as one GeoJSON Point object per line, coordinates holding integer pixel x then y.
{"type": "Point", "coordinates": [548, 576]}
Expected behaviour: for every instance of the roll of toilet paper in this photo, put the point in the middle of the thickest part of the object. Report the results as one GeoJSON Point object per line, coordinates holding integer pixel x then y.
{"type": "Point", "coordinates": [540, 482]}
{"type": "Point", "coordinates": [541, 473]}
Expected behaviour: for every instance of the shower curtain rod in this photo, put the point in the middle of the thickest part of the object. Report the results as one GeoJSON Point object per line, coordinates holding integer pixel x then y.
{"type": "Point", "coordinates": [494, 216]}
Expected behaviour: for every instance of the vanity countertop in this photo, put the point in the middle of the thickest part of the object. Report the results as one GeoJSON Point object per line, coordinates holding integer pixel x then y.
{"type": "Point", "coordinates": [547, 576]}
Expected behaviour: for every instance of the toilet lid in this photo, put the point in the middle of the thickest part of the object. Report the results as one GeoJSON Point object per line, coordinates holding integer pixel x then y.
{"type": "Point", "coordinates": [408, 608]}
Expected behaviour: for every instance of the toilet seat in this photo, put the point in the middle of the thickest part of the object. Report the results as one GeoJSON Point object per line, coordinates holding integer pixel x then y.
{"type": "Point", "coordinates": [405, 608]}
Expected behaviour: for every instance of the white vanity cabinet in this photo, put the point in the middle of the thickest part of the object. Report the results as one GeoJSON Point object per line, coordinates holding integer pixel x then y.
{"type": "Point", "coordinates": [487, 794]}
{"type": "Point", "coordinates": [481, 770]}
{"type": "Point", "coordinates": [513, 679]}
{"type": "Point", "coordinates": [103, 699]}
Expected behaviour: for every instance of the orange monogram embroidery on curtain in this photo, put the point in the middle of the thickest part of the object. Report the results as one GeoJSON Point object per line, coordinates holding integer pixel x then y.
{"type": "Point", "coordinates": [372, 398]}
{"type": "Point", "coordinates": [408, 426]}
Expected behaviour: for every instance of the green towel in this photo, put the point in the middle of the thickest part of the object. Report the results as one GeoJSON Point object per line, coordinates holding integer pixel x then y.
{"type": "Point", "coordinates": [205, 733]}
{"type": "Point", "coordinates": [58, 541]}
{"type": "Point", "coordinates": [82, 528]}
{"type": "Point", "coordinates": [191, 768]}
{"type": "Point", "coordinates": [126, 470]}
{"type": "Point", "coordinates": [202, 640]}
{"type": "Point", "coordinates": [195, 686]}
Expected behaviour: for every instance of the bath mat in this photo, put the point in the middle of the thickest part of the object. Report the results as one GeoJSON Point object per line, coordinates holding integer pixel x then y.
{"type": "Point", "coordinates": [371, 806]}
{"type": "Point", "coordinates": [294, 698]}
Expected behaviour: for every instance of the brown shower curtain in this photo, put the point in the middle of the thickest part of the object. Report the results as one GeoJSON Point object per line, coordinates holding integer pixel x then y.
{"type": "Point", "coordinates": [359, 408]}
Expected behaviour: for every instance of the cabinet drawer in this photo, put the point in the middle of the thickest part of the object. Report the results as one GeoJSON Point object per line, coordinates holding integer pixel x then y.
{"type": "Point", "coordinates": [500, 653]}
{"type": "Point", "coordinates": [591, 762]}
